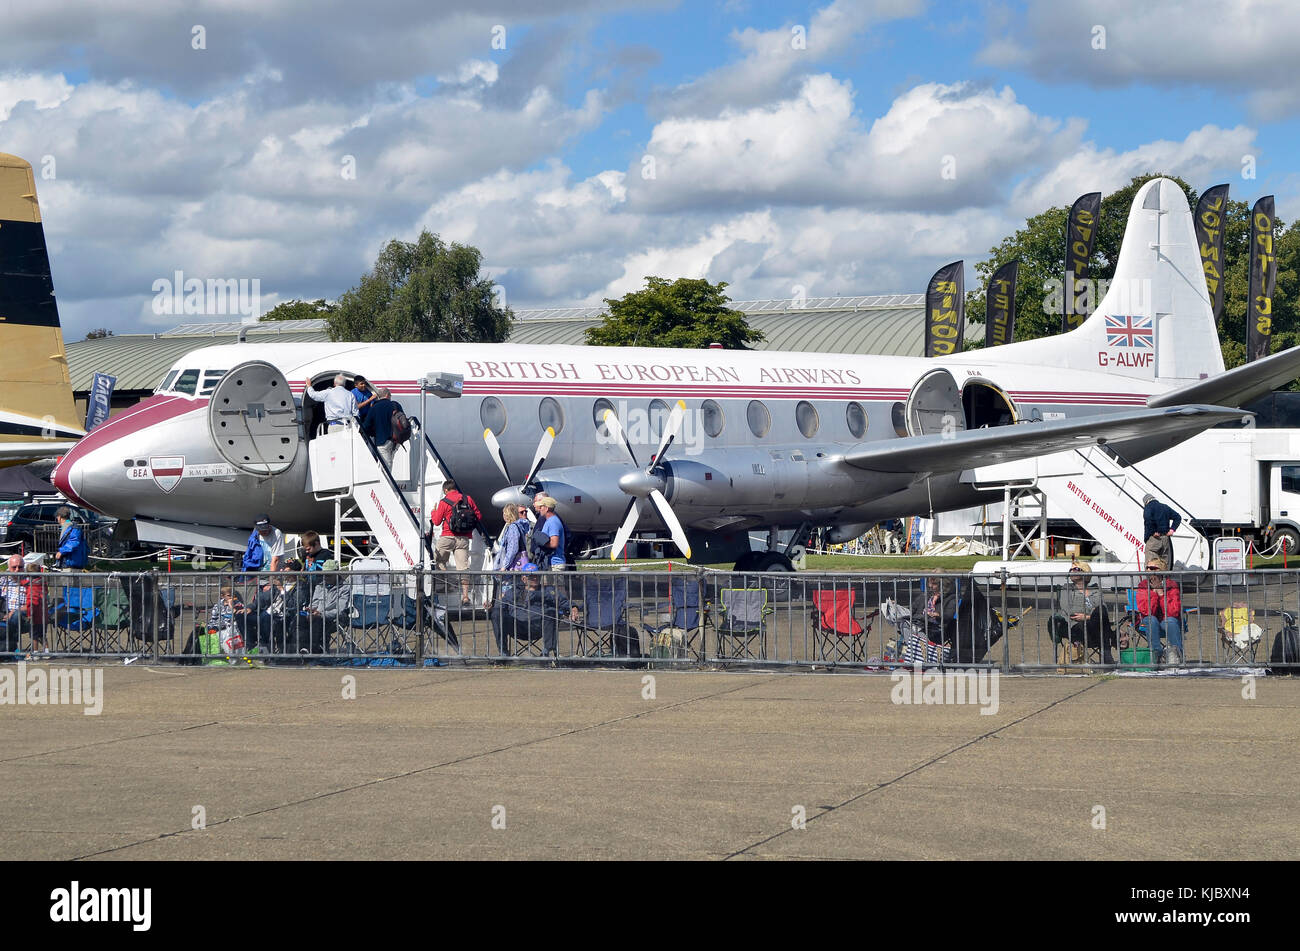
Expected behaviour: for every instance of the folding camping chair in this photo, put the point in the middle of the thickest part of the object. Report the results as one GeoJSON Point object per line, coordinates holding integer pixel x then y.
{"type": "Point", "coordinates": [1238, 633]}
{"type": "Point", "coordinates": [372, 598]}
{"type": "Point", "coordinates": [604, 618]}
{"type": "Point", "coordinates": [74, 617]}
{"type": "Point", "coordinates": [840, 638]}
{"type": "Point", "coordinates": [114, 609]}
{"type": "Point", "coordinates": [678, 636]}
{"type": "Point", "coordinates": [742, 620]}
{"type": "Point", "coordinates": [149, 614]}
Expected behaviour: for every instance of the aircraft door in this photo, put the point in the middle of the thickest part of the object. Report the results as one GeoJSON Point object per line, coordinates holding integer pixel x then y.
{"type": "Point", "coordinates": [934, 405]}
{"type": "Point", "coordinates": [253, 419]}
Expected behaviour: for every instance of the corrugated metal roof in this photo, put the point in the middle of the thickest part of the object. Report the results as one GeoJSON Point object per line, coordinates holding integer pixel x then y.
{"type": "Point", "coordinates": [140, 361]}
{"type": "Point", "coordinates": [885, 324]}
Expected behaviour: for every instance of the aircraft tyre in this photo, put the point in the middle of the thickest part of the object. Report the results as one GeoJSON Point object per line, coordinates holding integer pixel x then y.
{"type": "Point", "coordinates": [748, 561]}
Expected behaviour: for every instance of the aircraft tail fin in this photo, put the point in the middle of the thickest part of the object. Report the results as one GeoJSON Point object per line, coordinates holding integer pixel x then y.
{"type": "Point", "coordinates": [36, 404]}
{"type": "Point", "coordinates": [1155, 321]}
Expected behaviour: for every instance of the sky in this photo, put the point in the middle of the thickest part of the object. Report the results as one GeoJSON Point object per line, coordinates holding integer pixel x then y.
{"type": "Point", "coordinates": [818, 149]}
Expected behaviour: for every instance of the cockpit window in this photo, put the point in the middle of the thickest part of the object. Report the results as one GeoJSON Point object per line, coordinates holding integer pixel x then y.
{"type": "Point", "coordinates": [187, 382]}
{"type": "Point", "coordinates": [166, 384]}
{"type": "Point", "coordinates": [210, 380]}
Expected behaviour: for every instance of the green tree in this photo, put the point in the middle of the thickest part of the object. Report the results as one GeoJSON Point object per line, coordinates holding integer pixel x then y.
{"type": "Point", "coordinates": [1040, 245]}
{"type": "Point", "coordinates": [300, 310]}
{"type": "Point", "coordinates": [687, 313]}
{"type": "Point", "coordinates": [422, 291]}
{"type": "Point", "coordinates": [99, 334]}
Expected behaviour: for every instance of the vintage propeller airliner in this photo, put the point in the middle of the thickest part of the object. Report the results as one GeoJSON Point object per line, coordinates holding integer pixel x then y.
{"type": "Point", "coordinates": [731, 441]}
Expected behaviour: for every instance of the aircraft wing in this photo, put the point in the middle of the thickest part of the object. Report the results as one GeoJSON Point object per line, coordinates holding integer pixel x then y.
{"type": "Point", "coordinates": [968, 449]}
{"type": "Point", "coordinates": [12, 453]}
{"type": "Point", "coordinates": [1238, 386]}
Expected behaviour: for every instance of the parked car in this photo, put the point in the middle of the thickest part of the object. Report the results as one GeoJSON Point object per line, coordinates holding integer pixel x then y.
{"type": "Point", "coordinates": [33, 516]}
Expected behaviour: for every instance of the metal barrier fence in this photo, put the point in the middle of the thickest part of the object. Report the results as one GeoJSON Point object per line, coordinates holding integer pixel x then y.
{"type": "Point", "coordinates": [686, 616]}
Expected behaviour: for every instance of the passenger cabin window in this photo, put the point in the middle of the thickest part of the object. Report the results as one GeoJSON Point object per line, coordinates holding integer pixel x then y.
{"type": "Point", "coordinates": [187, 382]}
{"type": "Point", "coordinates": [598, 411]}
{"type": "Point", "coordinates": [549, 414]}
{"type": "Point", "coordinates": [712, 418]}
{"type": "Point", "coordinates": [1291, 478]}
{"type": "Point", "coordinates": [898, 416]}
{"type": "Point", "coordinates": [659, 413]}
{"type": "Point", "coordinates": [805, 415]}
{"type": "Point", "coordinates": [760, 420]}
{"type": "Point", "coordinates": [492, 414]}
{"type": "Point", "coordinates": [856, 417]}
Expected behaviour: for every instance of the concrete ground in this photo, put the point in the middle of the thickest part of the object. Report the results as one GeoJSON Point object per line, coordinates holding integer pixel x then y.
{"type": "Point", "coordinates": [528, 763]}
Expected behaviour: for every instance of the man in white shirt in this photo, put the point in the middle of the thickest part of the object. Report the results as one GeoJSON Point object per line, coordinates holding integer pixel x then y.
{"type": "Point", "coordinates": [340, 405]}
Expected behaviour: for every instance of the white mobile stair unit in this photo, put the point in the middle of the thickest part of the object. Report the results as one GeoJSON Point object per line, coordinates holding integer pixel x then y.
{"type": "Point", "coordinates": [1104, 496]}
{"type": "Point", "coordinates": [371, 501]}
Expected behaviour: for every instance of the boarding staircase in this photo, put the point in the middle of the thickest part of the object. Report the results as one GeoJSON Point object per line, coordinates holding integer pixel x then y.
{"type": "Point", "coordinates": [1098, 490]}
{"type": "Point", "coordinates": [370, 501]}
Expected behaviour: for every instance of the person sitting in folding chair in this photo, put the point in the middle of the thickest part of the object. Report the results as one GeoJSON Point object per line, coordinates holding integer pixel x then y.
{"type": "Point", "coordinates": [1159, 602]}
{"type": "Point", "coordinates": [533, 611]}
{"type": "Point", "coordinates": [22, 605]}
{"type": "Point", "coordinates": [1082, 621]}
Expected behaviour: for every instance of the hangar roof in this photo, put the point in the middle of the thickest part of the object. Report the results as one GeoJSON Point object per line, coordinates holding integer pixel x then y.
{"type": "Point", "coordinates": [887, 324]}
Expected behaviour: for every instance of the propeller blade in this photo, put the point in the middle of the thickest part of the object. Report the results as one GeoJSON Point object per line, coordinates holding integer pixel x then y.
{"type": "Point", "coordinates": [494, 450]}
{"type": "Point", "coordinates": [625, 530]}
{"type": "Point", "coordinates": [543, 450]}
{"type": "Point", "coordinates": [670, 519]}
{"type": "Point", "coordinates": [671, 429]}
{"type": "Point", "coordinates": [615, 427]}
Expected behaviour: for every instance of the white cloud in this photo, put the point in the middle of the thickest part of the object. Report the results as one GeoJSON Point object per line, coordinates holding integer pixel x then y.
{"type": "Point", "coordinates": [1246, 45]}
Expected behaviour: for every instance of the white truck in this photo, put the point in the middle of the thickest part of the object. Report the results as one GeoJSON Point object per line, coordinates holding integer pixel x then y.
{"type": "Point", "coordinates": [1225, 481]}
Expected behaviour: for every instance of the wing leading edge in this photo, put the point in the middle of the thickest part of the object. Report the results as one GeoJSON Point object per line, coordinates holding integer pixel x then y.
{"type": "Point", "coordinates": [968, 449]}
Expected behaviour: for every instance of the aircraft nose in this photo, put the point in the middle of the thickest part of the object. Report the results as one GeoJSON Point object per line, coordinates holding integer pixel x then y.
{"type": "Point", "coordinates": [69, 474]}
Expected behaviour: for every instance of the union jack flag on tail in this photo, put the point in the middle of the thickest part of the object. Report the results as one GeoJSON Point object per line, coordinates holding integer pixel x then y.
{"type": "Point", "coordinates": [1130, 332]}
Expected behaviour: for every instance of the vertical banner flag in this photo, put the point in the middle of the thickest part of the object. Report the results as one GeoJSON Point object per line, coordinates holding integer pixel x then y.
{"type": "Point", "coordinates": [1080, 233]}
{"type": "Point", "coordinates": [1209, 238]}
{"type": "Point", "coordinates": [1263, 276]}
{"type": "Point", "coordinates": [1000, 305]}
{"type": "Point", "coordinates": [945, 310]}
{"type": "Point", "coordinates": [101, 395]}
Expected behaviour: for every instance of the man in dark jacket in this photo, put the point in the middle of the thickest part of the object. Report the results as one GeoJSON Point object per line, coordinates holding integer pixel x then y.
{"type": "Point", "coordinates": [1159, 522]}
{"type": "Point", "coordinates": [378, 425]}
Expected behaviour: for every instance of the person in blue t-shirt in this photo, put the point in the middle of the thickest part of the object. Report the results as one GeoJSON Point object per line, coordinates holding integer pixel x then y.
{"type": "Point", "coordinates": [73, 551]}
{"type": "Point", "coordinates": [548, 536]}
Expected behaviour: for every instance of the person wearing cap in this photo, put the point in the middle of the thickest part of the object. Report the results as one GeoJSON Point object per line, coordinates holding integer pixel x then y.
{"type": "Point", "coordinates": [1159, 522]}
{"type": "Point", "coordinates": [340, 406]}
{"type": "Point", "coordinates": [22, 605]}
{"type": "Point", "coordinates": [454, 541]}
{"type": "Point", "coordinates": [1159, 601]}
{"type": "Point", "coordinates": [548, 538]}
{"type": "Point", "coordinates": [1082, 619]}
{"type": "Point", "coordinates": [265, 548]}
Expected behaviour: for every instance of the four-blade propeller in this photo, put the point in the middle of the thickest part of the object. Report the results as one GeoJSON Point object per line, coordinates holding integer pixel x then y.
{"type": "Point", "coordinates": [539, 459]}
{"type": "Point", "coordinates": [648, 483]}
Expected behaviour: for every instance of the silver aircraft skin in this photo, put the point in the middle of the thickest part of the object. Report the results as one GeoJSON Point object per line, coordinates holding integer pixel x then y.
{"type": "Point", "coordinates": [766, 440]}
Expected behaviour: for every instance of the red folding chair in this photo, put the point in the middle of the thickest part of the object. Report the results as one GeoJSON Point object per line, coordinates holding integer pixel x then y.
{"type": "Point", "coordinates": [840, 638]}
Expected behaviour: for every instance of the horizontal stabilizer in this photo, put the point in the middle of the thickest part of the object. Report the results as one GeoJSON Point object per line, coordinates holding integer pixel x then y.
{"type": "Point", "coordinates": [1238, 386]}
{"type": "Point", "coordinates": [967, 449]}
